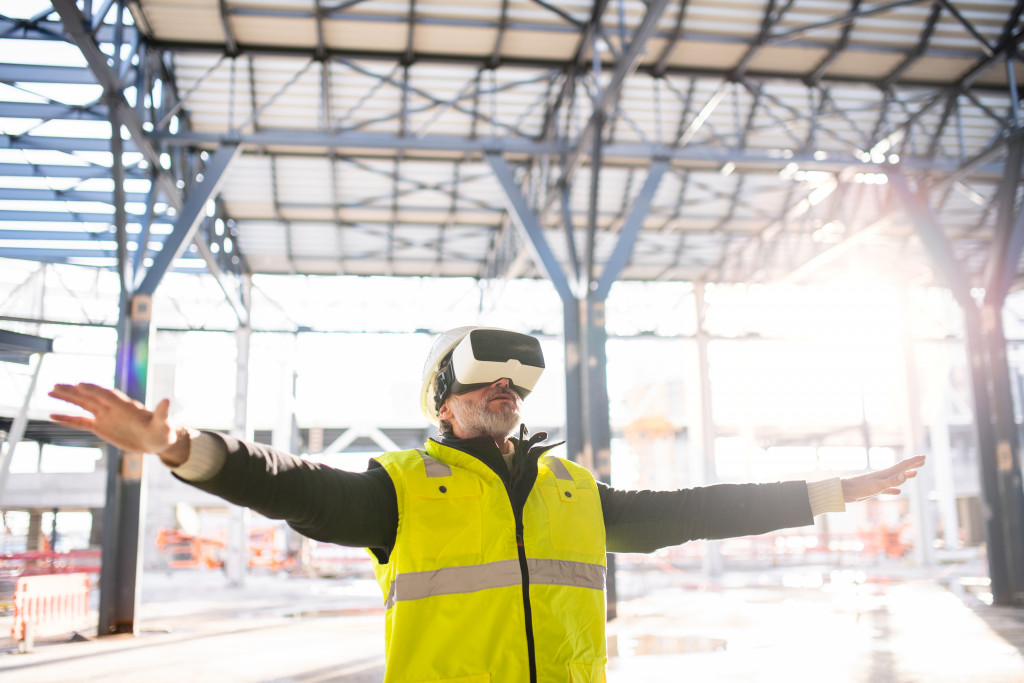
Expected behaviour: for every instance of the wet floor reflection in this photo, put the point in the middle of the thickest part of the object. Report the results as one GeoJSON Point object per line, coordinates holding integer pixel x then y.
{"type": "Point", "coordinates": [653, 644]}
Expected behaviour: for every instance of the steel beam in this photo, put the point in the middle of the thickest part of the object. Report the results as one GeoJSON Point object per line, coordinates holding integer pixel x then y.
{"type": "Point", "coordinates": [230, 287]}
{"type": "Point", "coordinates": [43, 195]}
{"type": "Point", "coordinates": [60, 144]}
{"type": "Point", "coordinates": [61, 171]}
{"type": "Point", "coordinates": [526, 219]}
{"type": "Point", "coordinates": [54, 30]}
{"type": "Point", "coordinates": [707, 157]}
{"type": "Point", "coordinates": [69, 217]}
{"type": "Point", "coordinates": [50, 111]}
{"type": "Point", "coordinates": [37, 73]}
{"type": "Point", "coordinates": [630, 230]}
{"type": "Point", "coordinates": [214, 174]}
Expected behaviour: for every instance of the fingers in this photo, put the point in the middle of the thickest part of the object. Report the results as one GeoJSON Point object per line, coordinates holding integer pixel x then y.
{"type": "Point", "coordinates": [91, 397]}
{"type": "Point", "coordinates": [78, 395]}
{"type": "Point", "coordinates": [74, 421]}
{"type": "Point", "coordinates": [163, 409]}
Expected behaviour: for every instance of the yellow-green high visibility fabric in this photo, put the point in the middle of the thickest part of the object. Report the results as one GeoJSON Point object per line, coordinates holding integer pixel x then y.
{"type": "Point", "coordinates": [454, 584]}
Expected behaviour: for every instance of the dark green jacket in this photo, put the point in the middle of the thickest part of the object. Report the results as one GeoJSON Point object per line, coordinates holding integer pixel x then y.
{"type": "Point", "coordinates": [359, 508]}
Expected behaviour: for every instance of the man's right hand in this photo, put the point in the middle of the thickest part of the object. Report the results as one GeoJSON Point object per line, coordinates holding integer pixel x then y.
{"type": "Point", "coordinates": [124, 422]}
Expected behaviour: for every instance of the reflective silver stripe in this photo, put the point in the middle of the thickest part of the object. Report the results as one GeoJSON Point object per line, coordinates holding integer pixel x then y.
{"type": "Point", "coordinates": [558, 467]}
{"type": "Point", "coordinates": [566, 573]}
{"type": "Point", "coordinates": [450, 580]}
{"type": "Point", "coordinates": [435, 468]}
{"type": "Point", "coordinates": [476, 577]}
{"type": "Point", "coordinates": [390, 601]}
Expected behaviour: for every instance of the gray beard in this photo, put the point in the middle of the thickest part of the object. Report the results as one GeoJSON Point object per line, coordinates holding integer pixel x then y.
{"type": "Point", "coordinates": [478, 420]}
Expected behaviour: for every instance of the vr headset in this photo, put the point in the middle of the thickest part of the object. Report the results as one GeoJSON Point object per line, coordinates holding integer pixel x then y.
{"type": "Point", "coordinates": [485, 356]}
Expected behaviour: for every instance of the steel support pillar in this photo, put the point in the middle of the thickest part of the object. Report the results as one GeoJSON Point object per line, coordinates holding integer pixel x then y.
{"type": "Point", "coordinates": [588, 430]}
{"type": "Point", "coordinates": [1007, 452]}
{"type": "Point", "coordinates": [125, 503]}
{"type": "Point", "coordinates": [236, 565]}
{"type": "Point", "coordinates": [995, 425]}
{"type": "Point", "coordinates": [712, 560]}
{"type": "Point", "coordinates": [913, 443]}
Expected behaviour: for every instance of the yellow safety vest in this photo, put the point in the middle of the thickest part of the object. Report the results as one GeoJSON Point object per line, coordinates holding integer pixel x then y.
{"type": "Point", "coordinates": [462, 588]}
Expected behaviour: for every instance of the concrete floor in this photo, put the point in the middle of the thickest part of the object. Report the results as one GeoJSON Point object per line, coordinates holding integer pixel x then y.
{"type": "Point", "coordinates": [895, 624]}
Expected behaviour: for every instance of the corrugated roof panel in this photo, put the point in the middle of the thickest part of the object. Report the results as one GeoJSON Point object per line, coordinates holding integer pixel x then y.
{"type": "Point", "coordinates": [198, 20]}
{"type": "Point", "coordinates": [261, 237]}
{"type": "Point", "coordinates": [317, 240]}
{"type": "Point", "coordinates": [282, 30]}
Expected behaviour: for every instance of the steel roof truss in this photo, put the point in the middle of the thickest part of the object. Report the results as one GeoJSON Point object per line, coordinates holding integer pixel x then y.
{"type": "Point", "coordinates": [919, 48]}
{"type": "Point", "coordinates": [631, 229]}
{"type": "Point", "coordinates": [844, 19]}
{"type": "Point", "coordinates": [188, 219]}
{"type": "Point", "coordinates": [526, 219]}
{"type": "Point", "coordinates": [772, 15]}
{"type": "Point", "coordinates": [560, 12]}
{"type": "Point", "coordinates": [73, 20]}
{"type": "Point", "coordinates": [406, 89]}
{"type": "Point", "coordinates": [840, 45]}
{"type": "Point", "coordinates": [229, 35]}
{"type": "Point", "coordinates": [661, 63]}
{"type": "Point", "coordinates": [184, 99]}
{"type": "Point", "coordinates": [253, 117]}
{"type": "Point", "coordinates": [610, 94]}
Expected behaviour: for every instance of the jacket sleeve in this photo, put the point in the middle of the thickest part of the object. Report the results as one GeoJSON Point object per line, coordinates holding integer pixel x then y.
{"type": "Point", "coordinates": [326, 504]}
{"type": "Point", "coordinates": [643, 521]}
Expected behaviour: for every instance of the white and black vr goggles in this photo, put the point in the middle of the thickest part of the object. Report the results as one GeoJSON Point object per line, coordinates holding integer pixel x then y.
{"type": "Point", "coordinates": [485, 356]}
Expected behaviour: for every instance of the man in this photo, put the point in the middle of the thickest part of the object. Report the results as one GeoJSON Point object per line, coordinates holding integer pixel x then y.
{"type": "Point", "coordinates": [489, 552]}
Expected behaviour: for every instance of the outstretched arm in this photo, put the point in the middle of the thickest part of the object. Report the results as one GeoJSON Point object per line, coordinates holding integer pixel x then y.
{"type": "Point", "coordinates": [124, 422]}
{"type": "Point", "coordinates": [349, 508]}
{"type": "Point", "coordinates": [885, 481]}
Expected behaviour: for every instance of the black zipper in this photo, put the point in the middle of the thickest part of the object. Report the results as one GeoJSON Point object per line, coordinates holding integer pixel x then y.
{"type": "Point", "coordinates": [531, 647]}
{"type": "Point", "coordinates": [515, 474]}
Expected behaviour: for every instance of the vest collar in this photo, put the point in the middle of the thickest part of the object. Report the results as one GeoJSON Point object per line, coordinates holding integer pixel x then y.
{"type": "Point", "coordinates": [483, 449]}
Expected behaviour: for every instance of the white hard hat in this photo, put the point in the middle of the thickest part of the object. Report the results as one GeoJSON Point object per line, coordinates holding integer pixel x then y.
{"type": "Point", "coordinates": [442, 346]}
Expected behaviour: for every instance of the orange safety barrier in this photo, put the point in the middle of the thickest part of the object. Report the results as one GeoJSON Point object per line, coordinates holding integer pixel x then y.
{"type": "Point", "coordinates": [47, 562]}
{"type": "Point", "coordinates": [49, 605]}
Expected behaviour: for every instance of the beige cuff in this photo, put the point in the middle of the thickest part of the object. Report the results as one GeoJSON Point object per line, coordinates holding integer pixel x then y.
{"type": "Point", "coordinates": [826, 496]}
{"type": "Point", "coordinates": [205, 457]}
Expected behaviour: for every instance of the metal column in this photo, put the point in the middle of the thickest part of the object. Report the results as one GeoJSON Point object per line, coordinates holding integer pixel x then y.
{"type": "Point", "coordinates": [122, 528]}
{"type": "Point", "coordinates": [236, 564]}
{"type": "Point", "coordinates": [712, 560]}
{"type": "Point", "coordinates": [996, 430]}
{"type": "Point", "coordinates": [587, 422]}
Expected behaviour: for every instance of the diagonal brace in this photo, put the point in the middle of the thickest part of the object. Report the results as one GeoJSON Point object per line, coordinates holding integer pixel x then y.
{"type": "Point", "coordinates": [526, 219]}
{"type": "Point", "coordinates": [631, 229]}
{"type": "Point", "coordinates": [934, 239]}
{"type": "Point", "coordinates": [191, 214]}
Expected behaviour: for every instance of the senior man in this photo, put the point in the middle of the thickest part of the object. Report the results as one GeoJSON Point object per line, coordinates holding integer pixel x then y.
{"type": "Point", "coordinates": [490, 552]}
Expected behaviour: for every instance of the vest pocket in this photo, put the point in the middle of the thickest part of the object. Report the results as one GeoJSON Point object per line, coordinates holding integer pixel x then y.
{"type": "Point", "coordinates": [586, 672]}
{"type": "Point", "coordinates": [444, 518]}
{"type": "Point", "coordinates": [575, 520]}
